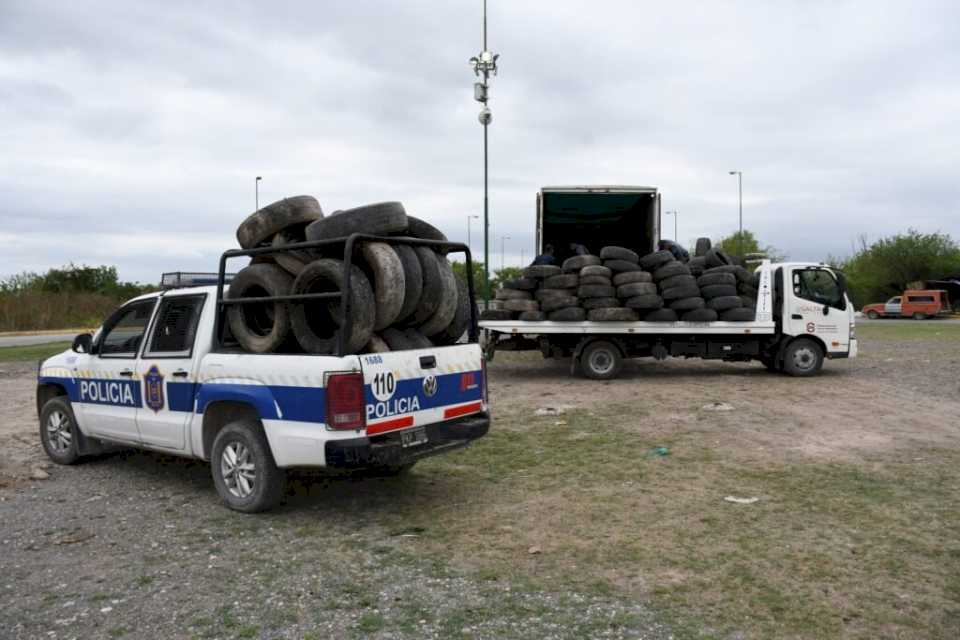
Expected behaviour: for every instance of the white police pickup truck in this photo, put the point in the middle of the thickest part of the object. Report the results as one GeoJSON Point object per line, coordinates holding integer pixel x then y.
{"type": "Point", "coordinates": [156, 376]}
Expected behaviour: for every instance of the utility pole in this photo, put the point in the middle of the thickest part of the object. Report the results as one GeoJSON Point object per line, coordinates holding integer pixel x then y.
{"type": "Point", "coordinates": [256, 193]}
{"type": "Point", "coordinates": [483, 65]}
{"type": "Point", "coordinates": [739, 175]}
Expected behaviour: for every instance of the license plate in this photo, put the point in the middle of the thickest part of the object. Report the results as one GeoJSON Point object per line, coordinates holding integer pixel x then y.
{"type": "Point", "coordinates": [413, 437]}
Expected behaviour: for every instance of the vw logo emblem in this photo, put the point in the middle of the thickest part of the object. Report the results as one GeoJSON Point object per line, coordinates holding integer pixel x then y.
{"type": "Point", "coordinates": [430, 386]}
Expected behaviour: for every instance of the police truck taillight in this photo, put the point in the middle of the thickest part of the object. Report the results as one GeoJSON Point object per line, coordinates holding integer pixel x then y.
{"type": "Point", "coordinates": [345, 405]}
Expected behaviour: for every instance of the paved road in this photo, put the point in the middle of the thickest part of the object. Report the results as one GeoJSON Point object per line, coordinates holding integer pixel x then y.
{"type": "Point", "coordinates": [24, 341]}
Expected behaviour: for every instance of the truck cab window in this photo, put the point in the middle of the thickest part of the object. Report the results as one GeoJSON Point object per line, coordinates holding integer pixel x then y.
{"type": "Point", "coordinates": [176, 327]}
{"type": "Point", "coordinates": [124, 331]}
{"type": "Point", "coordinates": [818, 285]}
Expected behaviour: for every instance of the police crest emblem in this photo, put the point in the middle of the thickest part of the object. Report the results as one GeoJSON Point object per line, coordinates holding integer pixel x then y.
{"type": "Point", "coordinates": [153, 383]}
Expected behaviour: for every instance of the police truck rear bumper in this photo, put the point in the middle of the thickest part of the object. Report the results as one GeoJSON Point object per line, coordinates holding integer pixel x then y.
{"type": "Point", "coordinates": [388, 449]}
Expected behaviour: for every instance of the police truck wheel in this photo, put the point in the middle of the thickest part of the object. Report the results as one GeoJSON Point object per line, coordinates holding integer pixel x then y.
{"type": "Point", "coordinates": [316, 323]}
{"type": "Point", "coordinates": [58, 431]}
{"type": "Point", "coordinates": [802, 357]}
{"type": "Point", "coordinates": [601, 360]}
{"type": "Point", "coordinates": [244, 471]}
{"type": "Point", "coordinates": [263, 326]}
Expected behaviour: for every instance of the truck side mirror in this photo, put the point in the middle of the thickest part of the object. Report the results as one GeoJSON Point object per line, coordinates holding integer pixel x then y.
{"type": "Point", "coordinates": [82, 343]}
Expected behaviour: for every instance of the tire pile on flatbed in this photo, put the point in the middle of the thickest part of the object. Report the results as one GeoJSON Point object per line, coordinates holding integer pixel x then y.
{"type": "Point", "coordinates": [620, 286]}
{"type": "Point", "coordinates": [402, 297]}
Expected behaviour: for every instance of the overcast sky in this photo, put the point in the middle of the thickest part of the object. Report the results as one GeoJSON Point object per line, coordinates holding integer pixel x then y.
{"type": "Point", "coordinates": [131, 132]}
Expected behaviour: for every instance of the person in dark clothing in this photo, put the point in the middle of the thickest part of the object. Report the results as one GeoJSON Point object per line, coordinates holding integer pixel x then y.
{"type": "Point", "coordinates": [579, 249]}
{"type": "Point", "coordinates": [678, 252]}
{"type": "Point", "coordinates": [546, 257]}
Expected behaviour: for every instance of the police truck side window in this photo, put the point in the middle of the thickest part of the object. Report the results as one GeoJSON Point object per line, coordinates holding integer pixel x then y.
{"type": "Point", "coordinates": [123, 336]}
{"type": "Point", "coordinates": [818, 285]}
{"type": "Point", "coordinates": [176, 326]}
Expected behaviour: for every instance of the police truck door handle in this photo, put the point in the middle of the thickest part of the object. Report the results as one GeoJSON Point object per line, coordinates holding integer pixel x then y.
{"type": "Point", "coordinates": [428, 362]}
{"type": "Point", "coordinates": [180, 373]}
{"type": "Point", "coordinates": [127, 373]}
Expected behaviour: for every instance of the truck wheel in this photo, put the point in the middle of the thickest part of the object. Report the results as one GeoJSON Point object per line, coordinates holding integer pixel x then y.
{"type": "Point", "coordinates": [601, 360]}
{"type": "Point", "coordinates": [244, 471]}
{"type": "Point", "coordinates": [873, 315]}
{"type": "Point", "coordinates": [260, 327]}
{"type": "Point", "coordinates": [919, 316]}
{"type": "Point", "coordinates": [58, 431]}
{"type": "Point", "coordinates": [273, 218]}
{"type": "Point", "coordinates": [377, 219]}
{"type": "Point", "coordinates": [802, 357]}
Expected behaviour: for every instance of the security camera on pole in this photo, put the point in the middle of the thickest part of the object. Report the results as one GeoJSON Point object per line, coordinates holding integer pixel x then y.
{"type": "Point", "coordinates": [483, 65]}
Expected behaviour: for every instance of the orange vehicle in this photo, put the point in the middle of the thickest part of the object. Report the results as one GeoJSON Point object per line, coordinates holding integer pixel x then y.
{"type": "Point", "coordinates": [918, 304]}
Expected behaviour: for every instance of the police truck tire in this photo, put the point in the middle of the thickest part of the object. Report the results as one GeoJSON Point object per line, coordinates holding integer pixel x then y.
{"type": "Point", "coordinates": [717, 258]}
{"type": "Point", "coordinates": [600, 280]}
{"type": "Point", "coordinates": [532, 316]}
{"type": "Point", "coordinates": [699, 315]}
{"type": "Point", "coordinates": [523, 284]}
{"type": "Point", "coordinates": [703, 245]}
{"type": "Point", "coordinates": [601, 360]}
{"type": "Point", "coordinates": [670, 270]}
{"type": "Point", "coordinates": [260, 327]}
{"type": "Point", "coordinates": [724, 302]}
{"type": "Point", "coordinates": [803, 357]}
{"type": "Point", "coordinates": [382, 218]}
{"type": "Point", "coordinates": [432, 284]}
{"type": "Point", "coordinates": [58, 431]}
{"type": "Point", "coordinates": [647, 302]}
{"type": "Point", "coordinates": [739, 314]}
{"type": "Point", "coordinates": [708, 279]}
{"type": "Point", "coordinates": [596, 270]}
{"type": "Point", "coordinates": [412, 280]}
{"type": "Point", "coordinates": [417, 228]}
{"type": "Point", "coordinates": [654, 260]}
{"type": "Point", "coordinates": [574, 264]}
{"type": "Point", "coordinates": [599, 303]}
{"type": "Point", "coordinates": [512, 294]}
{"type": "Point", "coordinates": [543, 294]}
{"type": "Point", "coordinates": [244, 472]}
{"type": "Point", "coordinates": [627, 277]}
{"type": "Point", "coordinates": [569, 314]}
{"type": "Point", "coordinates": [718, 291]}
{"type": "Point", "coordinates": [636, 289]}
{"type": "Point", "coordinates": [557, 303]}
{"type": "Point", "coordinates": [676, 293]}
{"type": "Point", "coordinates": [661, 315]}
{"type": "Point", "coordinates": [496, 314]}
{"type": "Point", "coordinates": [621, 266]}
{"type": "Point", "coordinates": [563, 281]}
{"type": "Point", "coordinates": [521, 305]}
{"type": "Point", "coordinates": [596, 291]}
{"type": "Point", "coordinates": [316, 323]}
{"type": "Point", "coordinates": [263, 224]}
{"type": "Point", "coordinates": [461, 319]}
{"type": "Point", "coordinates": [688, 304]}
{"type": "Point", "coordinates": [541, 271]}
{"type": "Point", "coordinates": [619, 253]}
{"type": "Point", "coordinates": [681, 280]}
{"type": "Point", "coordinates": [447, 309]}
{"type": "Point", "coordinates": [386, 274]}
{"type": "Point", "coordinates": [612, 314]}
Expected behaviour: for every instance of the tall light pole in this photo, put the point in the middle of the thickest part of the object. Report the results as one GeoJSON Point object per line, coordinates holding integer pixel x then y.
{"type": "Point", "coordinates": [469, 218]}
{"type": "Point", "coordinates": [503, 248]}
{"type": "Point", "coordinates": [256, 193]}
{"type": "Point", "coordinates": [483, 65]}
{"type": "Point", "coordinates": [676, 214]}
{"type": "Point", "coordinates": [739, 175]}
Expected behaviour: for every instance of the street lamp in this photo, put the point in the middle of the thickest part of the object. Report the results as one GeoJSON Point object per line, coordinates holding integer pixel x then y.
{"type": "Point", "coordinates": [503, 246]}
{"type": "Point", "coordinates": [676, 214]}
{"type": "Point", "coordinates": [256, 193]}
{"type": "Point", "coordinates": [483, 65]}
{"type": "Point", "coordinates": [469, 218]}
{"type": "Point", "coordinates": [739, 175]}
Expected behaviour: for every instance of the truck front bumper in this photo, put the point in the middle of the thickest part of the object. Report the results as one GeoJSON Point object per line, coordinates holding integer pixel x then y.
{"type": "Point", "coordinates": [388, 449]}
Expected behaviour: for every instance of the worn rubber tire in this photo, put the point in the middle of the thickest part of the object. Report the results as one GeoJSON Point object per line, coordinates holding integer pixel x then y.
{"type": "Point", "coordinates": [563, 281]}
{"type": "Point", "coordinates": [676, 293]}
{"type": "Point", "coordinates": [599, 303]}
{"type": "Point", "coordinates": [532, 316]}
{"type": "Point", "coordinates": [724, 302]}
{"type": "Point", "coordinates": [621, 266]}
{"type": "Point", "coordinates": [417, 228]}
{"type": "Point", "coordinates": [661, 315]}
{"type": "Point", "coordinates": [748, 302]}
{"type": "Point", "coordinates": [461, 319]}
{"type": "Point", "coordinates": [627, 277]}
{"type": "Point", "coordinates": [512, 294]}
{"type": "Point", "coordinates": [556, 303]}
{"type": "Point", "coordinates": [670, 270]}
{"type": "Point", "coordinates": [417, 339]}
{"type": "Point", "coordinates": [718, 291]}
{"type": "Point", "coordinates": [682, 280]}
{"type": "Point", "coordinates": [743, 275]}
{"type": "Point", "coordinates": [596, 270]}
{"type": "Point", "coordinates": [647, 302]}
{"type": "Point", "coordinates": [412, 279]}
{"type": "Point", "coordinates": [709, 279]}
{"type": "Point", "coordinates": [601, 360]}
{"type": "Point", "coordinates": [385, 272]}
{"type": "Point", "coordinates": [569, 314]}
{"type": "Point", "coordinates": [619, 253]}
{"type": "Point", "coordinates": [542, 294]}
{"type": "Point", "coordinates": [541, 271]}
{"type": "Point", "coordinates": [376, 344]}
{"type": "Point", "coordinates": [66, 424]}
{"type": "Point", "coordinates": [398, 339]}
{"type": "Point", "coordinates": [262, 225]}
{"type": "Point", "coordinates": [699, 315]}
{"type": "Point", "coordinates": [697, 266]}
{"type": "Point", "coordinates": [596, 280]}
{"type": "Point", "coordinates": [316, 325]}
{"type": "Point", "coordinates": [496, 314]}
{"type": "Point", "coordinates": [802, 358]}
{"type": "Point", "coordinates": [703, 245]}
{"type": "Point", "coordinates": [432, 283]}
{"type": "Point", "coordinates": [523, 284]}
{"type": "Point", "coordinates": [747, 290]}
{"type": "Point", "coordinates": [596, 291]}
{"type": "Point", "coordinates": [724, 268]}
{"type": "Point", "coordinates": [688, 304]}
{"type": "Point", "coordinates": [741, 314]}
{"type": "Point", "coordinates": [717, 258]}
{"type": "Point", "coordinates": [636, 289]}
{"type": "Point", "coordinates": [521, 305]}
{"type": "Point", "coordinates": [654, 260]}
{"type": "Point", "coordinates": [612, 314]}
{"type": "Point", "coordinates": [382, 218]}
{"type": "Point", "coordinates": [269, 481]}
{"type": "Point", "coordinates": [444, 314]}
{"type": "Point", "coordinates": [260, 327]}
{"type": "Point", "coordinates": [294, 260]}
{"type": "Point", "coordinates": [574, 264]}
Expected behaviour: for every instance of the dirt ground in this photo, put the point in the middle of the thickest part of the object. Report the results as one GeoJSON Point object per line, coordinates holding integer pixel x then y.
{"type": "Point", "coordinates": [513, 537]}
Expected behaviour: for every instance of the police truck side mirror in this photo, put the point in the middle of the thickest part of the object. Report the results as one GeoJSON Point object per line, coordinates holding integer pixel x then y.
{"type": "Point", "coordinates": [82, 343]}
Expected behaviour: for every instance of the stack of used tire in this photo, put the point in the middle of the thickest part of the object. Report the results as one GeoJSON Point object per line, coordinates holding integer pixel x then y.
{"type": "Point", "coordinates": [402, 297]}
